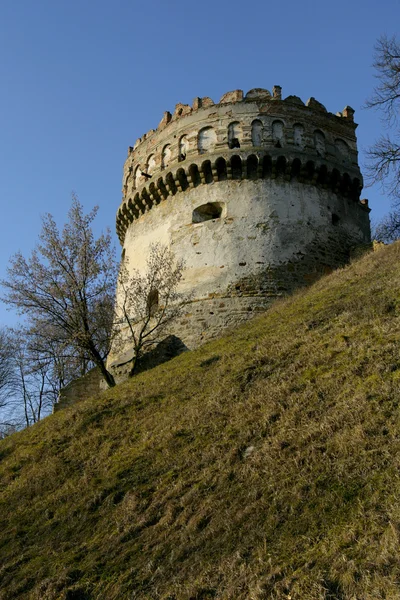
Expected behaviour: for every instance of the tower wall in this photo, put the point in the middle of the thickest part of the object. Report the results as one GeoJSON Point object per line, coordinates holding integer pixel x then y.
{"type": "Point", "coordinates": [258, 195]}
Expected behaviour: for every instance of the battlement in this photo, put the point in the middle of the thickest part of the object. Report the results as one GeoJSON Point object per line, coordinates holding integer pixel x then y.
{"type": "Point", "coordinates": [254, 136]}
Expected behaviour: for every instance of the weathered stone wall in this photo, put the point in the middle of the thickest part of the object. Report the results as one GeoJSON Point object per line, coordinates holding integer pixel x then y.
{"type": "Point", "coordinates": [259, 195]}
{"type": "Point", "coordinates": [80, 389]}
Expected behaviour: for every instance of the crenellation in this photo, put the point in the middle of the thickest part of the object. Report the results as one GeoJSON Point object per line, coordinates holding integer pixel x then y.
{"type": "Point", "coordinates": [348, 113]}
{"type": "Point", "coordinates": [164, 121]}
{"type": "Point", "coordinates": [294, 100]}
{"type": "Point", "coordinates": [259, 94]}
{"type": "Point", "coordinates": [140, 155]}
{"type": "Point", "coordinates": [277, 92]}
{"type": "Point", "coordinates": [314, 104]}
{"type": "Point", "coordinates": [181, 110]}
{"type": "Point", "coordinates": [235, 96]}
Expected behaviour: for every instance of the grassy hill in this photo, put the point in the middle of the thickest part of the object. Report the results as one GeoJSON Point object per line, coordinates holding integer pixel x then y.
{"type": "Point", "coordinates": [264, 465]}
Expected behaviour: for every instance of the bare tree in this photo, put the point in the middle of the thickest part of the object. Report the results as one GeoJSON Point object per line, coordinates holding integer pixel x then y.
{"type": "Point", "coordinates": [36, 389]}
{"type": "Point", "coordinates": [66, 288]}
{"type": "Point", "coordinates": [38, 367]}
{"type": "Point", "coordinates": [7, 378]}
{"type": "Point", "coordinates": [147, 304]}
{"type": "Point", "coordinates": [384, 156]}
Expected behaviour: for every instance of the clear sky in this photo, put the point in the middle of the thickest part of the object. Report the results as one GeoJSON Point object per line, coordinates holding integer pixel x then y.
{"type": "Point", "coordinates": [82, 80]}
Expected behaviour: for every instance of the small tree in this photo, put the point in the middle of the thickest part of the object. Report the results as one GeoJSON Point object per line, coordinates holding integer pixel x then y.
{"type": "Point", "coordinates": [147, 304]}
{"type": "Point", "coordinates": [66, 288]}
{"type": "Point", "coordinates": [384, 156]}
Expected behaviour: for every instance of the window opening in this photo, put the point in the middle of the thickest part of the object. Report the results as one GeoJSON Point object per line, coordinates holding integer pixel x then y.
{"type": "Point", "coordinates": [207, 212]}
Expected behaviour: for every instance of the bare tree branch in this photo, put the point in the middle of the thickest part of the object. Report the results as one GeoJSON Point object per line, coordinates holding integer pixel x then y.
{"type": "Point", "coordinates": [148, 303]}
{"type": "Point", "coordinates": [66, 288]}
{"type": "Point", "coordinates": [383, 158]}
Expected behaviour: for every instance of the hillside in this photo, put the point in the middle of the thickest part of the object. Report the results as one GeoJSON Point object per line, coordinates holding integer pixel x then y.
{"type": "Point", "coordinates": [264, 465]}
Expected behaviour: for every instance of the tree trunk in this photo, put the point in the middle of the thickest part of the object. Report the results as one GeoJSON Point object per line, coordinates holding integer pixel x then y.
{"type": "Point", "coordinates": [134, 364]}
{"type": "Point", "coordinates": [99, 362]}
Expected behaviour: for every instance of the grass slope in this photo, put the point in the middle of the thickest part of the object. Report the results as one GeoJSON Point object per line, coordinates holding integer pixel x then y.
{"type": "Point", "coordinates": [263, 465]}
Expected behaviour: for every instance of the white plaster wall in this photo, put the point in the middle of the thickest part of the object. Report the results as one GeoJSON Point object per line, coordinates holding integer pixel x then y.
{"type": "Point", "coordinates": [265, 223]}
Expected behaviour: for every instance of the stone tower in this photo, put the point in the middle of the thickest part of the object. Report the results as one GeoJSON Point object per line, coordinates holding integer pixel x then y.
{"type": "Point", "coordinates": [257, 193]}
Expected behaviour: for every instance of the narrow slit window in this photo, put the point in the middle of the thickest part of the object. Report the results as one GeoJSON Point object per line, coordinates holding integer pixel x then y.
{"type": "Point", "coordinates": [335, 219]}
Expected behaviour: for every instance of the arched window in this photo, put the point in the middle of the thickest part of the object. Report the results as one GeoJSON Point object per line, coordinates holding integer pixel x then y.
{"type": "Point", "coordinates": [220, 165]}
{"type": "Point", "coordinates": [170, 182]}
{"type": "Point", "coordinates": [252, 166]}
{"type": "Point", "coordinates": [207, 139]}
{"type": "Point", "coordinates": [166, 156]}
{"type": "Point", "coordinates": [278, 134]}
{"type": "Point", "coordinates": [319, 143]}
{"type": "Point", "coordinates": [152, 302]}
{"type": "Point", "coordinates": [127, 178]}
{"type": "Point", "coordinates": [183, 147]}
{"type": "Point", "coordinates": [266, 166]}
{"type": "Point", "coordinates": [183, 182]}
{"type": "Point", "coordinates": [257, 132]}
{"type": "Point", "coordinates": [342, 151]}
{"type": "Point", "coordinates": [296, 167]}
{"type": "Point", "coordinates": [151, 164]}
{"type": "Point", "coordinates": [138, 177]}
{"type": "Point", "coordinates": [298, 136]}
{"type": "Point", "coordinates": [207, 171]}
{"type": "Point", "coordinates": [234, 134]}
{"type": "Point", "coordinates": [195, 175]}
{"type": "Point", "coordinates": [236, 167]}
{"type": "Point", "coordinates": [281, 165]}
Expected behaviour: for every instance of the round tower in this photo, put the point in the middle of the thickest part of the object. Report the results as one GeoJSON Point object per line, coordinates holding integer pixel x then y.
{"type": "Point", "coordinates": [257, 193]}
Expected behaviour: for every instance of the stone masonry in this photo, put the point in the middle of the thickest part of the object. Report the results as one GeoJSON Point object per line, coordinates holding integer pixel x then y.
{"type": "Point", "coordinates": [257, 193]}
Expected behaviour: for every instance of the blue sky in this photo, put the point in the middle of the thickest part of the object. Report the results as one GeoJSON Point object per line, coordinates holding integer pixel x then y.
{"type": "Point", "coordinates": [82, 80]}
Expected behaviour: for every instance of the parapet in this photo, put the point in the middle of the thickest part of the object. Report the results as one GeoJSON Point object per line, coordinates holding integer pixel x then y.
{"type": "Point", "coordinates": [243, 136]}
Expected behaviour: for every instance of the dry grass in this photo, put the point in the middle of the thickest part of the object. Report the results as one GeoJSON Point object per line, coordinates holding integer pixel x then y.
{"type": "Point", "coordinates": [264, 465]}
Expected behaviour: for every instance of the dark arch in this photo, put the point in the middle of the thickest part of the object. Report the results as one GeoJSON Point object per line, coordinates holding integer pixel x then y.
{"type": "Point", "coordinates": [154, 192]}
{"type": "Point", "coordinates": [252, 166]}
{"type": "Point", "coordinates": [146, 198]}
{"type": "Point", "coordinates": [281, 165]}
{"type": "Point", "coordinates": [296, 167]}
{"type": "Point", "coordinates": [207, 171]}
{"type": "Point", "coordinates": [345, 184]}
{"type": "Point", "coordinates": [126, 213]}
{"type": "Point", "coordinates": [220, 165]}
{"type": "Point", "coordinates": [310, 169]}
{"type": "Point", "coordinates": [266, 166]}
{"type": "Point", "coordinates": [195, 175]}
{"type": "Point", "coordinates": [236, 167]}
{"type": "Point", "coordinates": [134, 210]}
{"type": "Point", "coordinates": [162, 188]}
{"type": "Point", "coordinates": [171, 183]}
{"type": "Point", "coordinates": [335, 178]}
{"type": "Point", "coordinates": [234, 134]}
{"type": "Point", "coordinates": [355, 189]}
{"type": "Point", "coordinates": [181, 175]}
{"type": "Point", "coordinates": [322, 175]}
{"type": "Point", "coordinates": [136, 200]}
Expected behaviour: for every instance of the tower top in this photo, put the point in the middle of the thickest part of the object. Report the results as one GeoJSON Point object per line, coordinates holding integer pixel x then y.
{"type": "Point", "coordinates": [309, 141]}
